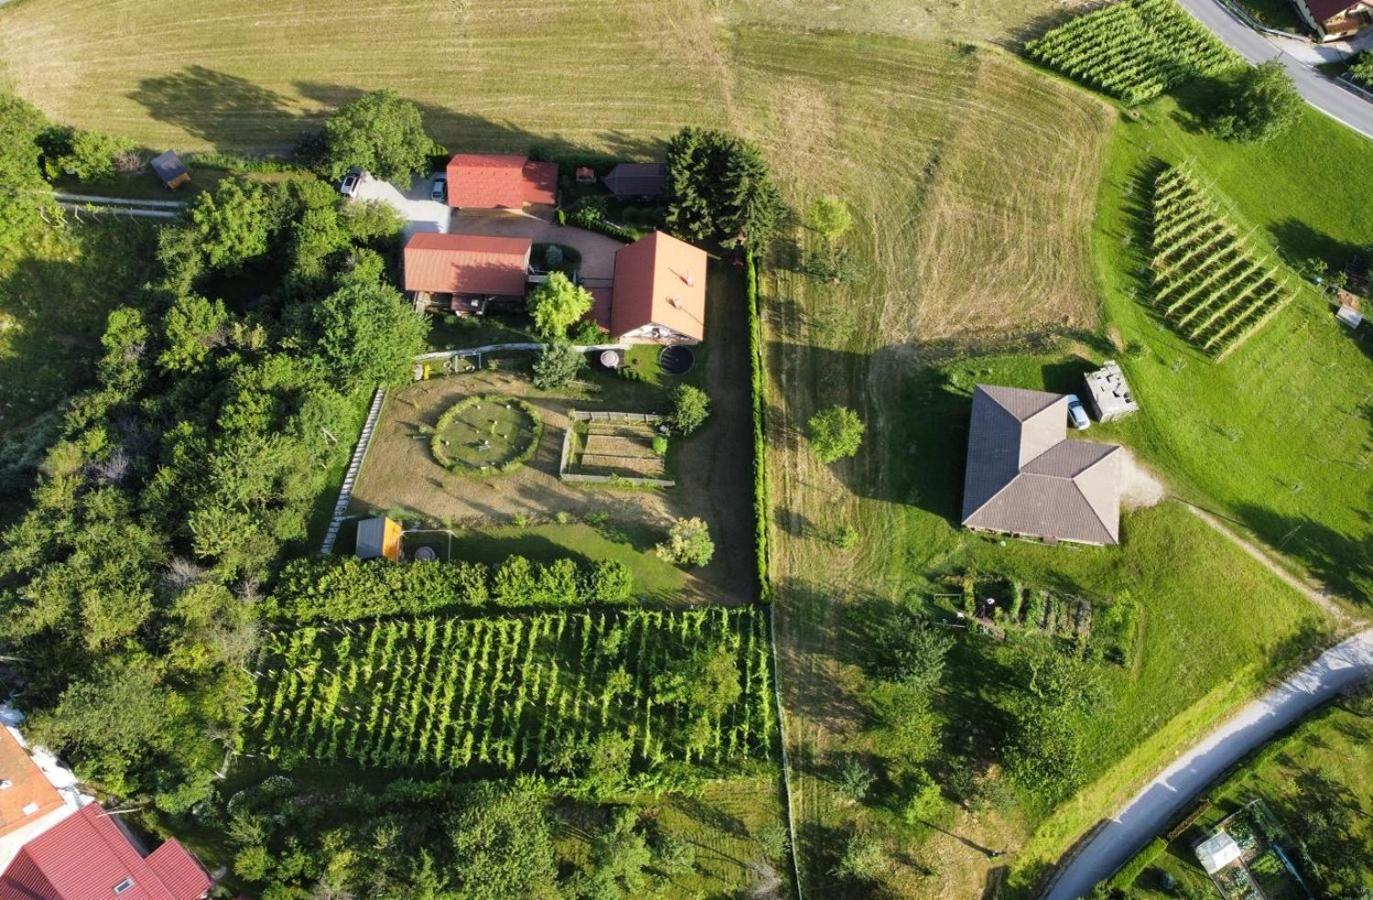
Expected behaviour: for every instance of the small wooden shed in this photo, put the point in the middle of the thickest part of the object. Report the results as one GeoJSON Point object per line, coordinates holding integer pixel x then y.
{"type": "Point", "coordinates": [379, 536]}
{"type": "Point", "coordinates": [171, 170]}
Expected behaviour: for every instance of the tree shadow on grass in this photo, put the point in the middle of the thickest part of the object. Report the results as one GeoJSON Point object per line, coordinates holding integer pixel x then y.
{"type": "Point", "coordinates": [1342, 562]}
{"type": "Point", "coordinates": [1200, 101]}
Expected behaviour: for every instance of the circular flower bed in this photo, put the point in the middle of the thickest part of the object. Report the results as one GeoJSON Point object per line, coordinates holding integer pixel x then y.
{"type": "Point", "coordinates": [486, 435]}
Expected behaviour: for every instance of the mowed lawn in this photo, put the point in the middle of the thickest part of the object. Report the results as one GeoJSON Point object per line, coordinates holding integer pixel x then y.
{"type": "Point", "coordinates": [1279, 435]}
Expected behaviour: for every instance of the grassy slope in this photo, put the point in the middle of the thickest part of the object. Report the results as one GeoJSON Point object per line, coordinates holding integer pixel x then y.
{"type": "Point", "coordinates": [1333, 744]}
{"type": "Point", "coordinates": [1294, 404]}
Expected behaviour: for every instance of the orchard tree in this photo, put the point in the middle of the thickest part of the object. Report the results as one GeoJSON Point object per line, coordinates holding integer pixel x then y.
{"type": "Point", "coordinates": [690, 407]}
{"type": "Point", "coordinates": [1263, 105]}
{"type": "Point", "coordinates": [503, 843]}
{"type": "Point", "coordinates": [688, 543]}
{"type": "Point", "coordinates": [381, 132]}
{"type": "Point", "coordinates": [557, 305]}
{"type": "Point", "coordinates": [835, 433]}
{"type": "Point", "coordinates": [719, 188]}
{"type": "Point", "coordinates": [86, 155]}
{"type": "Point", "coordinates": [830, 218]}
{"type": "Point", "coordinates": [368, 334]}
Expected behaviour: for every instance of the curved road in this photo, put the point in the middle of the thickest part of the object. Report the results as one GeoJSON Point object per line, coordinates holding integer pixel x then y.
{"type": "Point", "coordinates": [1337, 102]}
{"type": "Point", "coordinates": [1153, 808]}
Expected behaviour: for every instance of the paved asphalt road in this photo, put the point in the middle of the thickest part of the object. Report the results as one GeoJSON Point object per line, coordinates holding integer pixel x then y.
{"type": "Point", "coordinates": [1166, 796]}
{"type": "Point", "coordinates": [1324, 94]}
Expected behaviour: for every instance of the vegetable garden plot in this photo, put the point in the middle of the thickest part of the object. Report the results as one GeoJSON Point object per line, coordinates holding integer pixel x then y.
{"type": "Point", "coordinates": [616, 449]}
{"type": "Point", "coordinates": [1209, 284]}
{"type": "Point", "coordinates": [505, 693]}
{"type": "Point", "coordinates": [1133, 50]}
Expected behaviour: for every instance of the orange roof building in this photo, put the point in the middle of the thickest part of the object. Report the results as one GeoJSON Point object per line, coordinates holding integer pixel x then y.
{"type": "Point", "coordinates": [470, 264]}
{"type": "Point", "coordinates": [26, 795]}
{"type": "Point", "coordinates": [659, 292]}
{"type": "Point", "coordinates": [500, 181]}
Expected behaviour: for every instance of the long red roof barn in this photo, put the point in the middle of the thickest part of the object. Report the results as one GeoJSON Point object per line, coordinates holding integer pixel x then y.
{"type": "Point", "coordinates": [499, 181]}
{"type": "Point", "coordinates": [467, 264]}
{"type": "Point", "coordinates": [87, 857]}
{"type": "Point", "coordinates": [660, 283]}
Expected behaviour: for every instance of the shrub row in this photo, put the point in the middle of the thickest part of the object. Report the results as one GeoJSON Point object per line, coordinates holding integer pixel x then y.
{"type": "Point", "coordinates": [347, 589]}
{"type": "Point", "coordinates": [760, 463]}
{"type": "Point", "coordinates": [591, 220]}
{"type": "Point", "coordinates": [1125, 878]}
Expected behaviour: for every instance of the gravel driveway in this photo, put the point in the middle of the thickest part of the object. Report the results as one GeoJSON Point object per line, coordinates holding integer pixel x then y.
{"type": "Point", "coordinates": [597, 250]}
{"type": "Point", "coordinates": [420, 212]}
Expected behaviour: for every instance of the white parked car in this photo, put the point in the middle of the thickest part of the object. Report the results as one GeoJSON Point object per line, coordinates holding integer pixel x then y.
{"type": "Point", "coordinates": [1077, 414]}
{"type": "Point", "coordinates": [348, 187]}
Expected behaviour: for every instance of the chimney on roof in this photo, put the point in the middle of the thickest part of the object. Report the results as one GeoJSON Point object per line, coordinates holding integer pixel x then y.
{"type": "Point", "coordinates": [690, 279]}
{"type": "Point", "coordinates": [675, 302]}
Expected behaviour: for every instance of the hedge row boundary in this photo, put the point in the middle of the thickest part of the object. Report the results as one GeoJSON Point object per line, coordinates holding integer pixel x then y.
{"type": "Point", "coordinates": [758, 383]}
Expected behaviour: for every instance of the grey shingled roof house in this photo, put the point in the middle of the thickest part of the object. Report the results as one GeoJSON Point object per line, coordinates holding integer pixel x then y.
{"type": "Point", "coordinates": [1025, 478]}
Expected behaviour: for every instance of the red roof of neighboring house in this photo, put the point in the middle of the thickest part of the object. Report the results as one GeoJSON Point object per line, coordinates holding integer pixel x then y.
{"type": "Point", "coordinates": [659, 280]}
{"type": "Point", "coordinates": [499, 181]}
{"type": "Point", "coordinates": [1325, 10]}
{"type": "Point", "coordinates": [86, 856]}
{"type": "Point", "coordinates": [27, 795]}
{"type": "Point", "coordinates": [467, 264]}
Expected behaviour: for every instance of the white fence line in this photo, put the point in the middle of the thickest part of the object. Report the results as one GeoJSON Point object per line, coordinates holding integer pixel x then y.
{"type": "Point", "coordinates": [345, 493]}
{"type": "Point", "coordinates": [462, 352]}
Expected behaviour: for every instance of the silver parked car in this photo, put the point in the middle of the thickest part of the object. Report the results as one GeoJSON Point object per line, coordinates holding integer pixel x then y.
{"type": "Point", "coordinates": [1077, 414]}
{"type": "Point", "coordinates": [438, 190]}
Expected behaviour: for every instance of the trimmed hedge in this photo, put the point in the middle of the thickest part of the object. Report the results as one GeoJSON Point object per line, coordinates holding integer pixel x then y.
{"type": "Point", "coordinates": [760, 462]}
{"type": "Point", "coordinates": [590, 220]}
{"type": "Point", "coordinates": [345, 588]}
{"type": "Point", "coordinates": [1122, 880]}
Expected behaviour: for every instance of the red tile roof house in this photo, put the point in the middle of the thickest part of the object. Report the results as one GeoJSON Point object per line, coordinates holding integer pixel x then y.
{"type": "Point", "coordinates": [1333, 20]}
{"type": "Point", "coordinates": [658, 295]}
{"type": "Point", "coordinates": [496, 181]}
{"type": "Point", "coordinates": [88, 857]}
{"type": "Point", "coordinates": [1025, 478]}
{"type": "Point", "coordinates": [467, 271]}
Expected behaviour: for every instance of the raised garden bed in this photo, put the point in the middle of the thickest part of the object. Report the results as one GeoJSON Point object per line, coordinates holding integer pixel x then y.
{"type": "Point", "coordinates": [614, 448]}
{"type": "Point", "coordinates": [486, 435]}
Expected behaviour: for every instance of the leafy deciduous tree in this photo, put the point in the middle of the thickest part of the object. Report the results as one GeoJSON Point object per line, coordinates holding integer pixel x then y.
{"type": "Point", "coordinates": [556, 305]}
{"type": "Point", "coordinates": [835, 433]}
{"type": "Point", "coordinates": [381, 132]}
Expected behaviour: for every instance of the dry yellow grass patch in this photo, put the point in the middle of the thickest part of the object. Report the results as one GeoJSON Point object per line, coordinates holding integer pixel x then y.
{"type": "Point", "coordinates": [1003, 246]}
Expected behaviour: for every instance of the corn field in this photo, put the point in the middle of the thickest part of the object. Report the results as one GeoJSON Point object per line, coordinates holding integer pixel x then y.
{"type": "Point", "coordinates": [500, 692]}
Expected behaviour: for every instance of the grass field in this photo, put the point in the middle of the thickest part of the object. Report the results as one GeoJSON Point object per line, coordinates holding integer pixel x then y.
{"type": "Point", "coordinates": [1295, 402]}
{"type": "Point", "coordinates": [1318, 779]}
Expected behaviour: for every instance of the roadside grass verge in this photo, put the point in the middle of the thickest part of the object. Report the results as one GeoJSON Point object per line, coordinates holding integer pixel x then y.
{"type": "Point", "coordinates": [1278, 437]}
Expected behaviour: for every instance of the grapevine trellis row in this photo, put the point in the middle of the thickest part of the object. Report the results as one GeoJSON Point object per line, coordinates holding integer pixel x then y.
{"type": "Point", "coordinates": [503, 692]}
{"type": "Point", "coordinates": [1133, 50]}
{"type": "Point", "coordinates": [1209, 283]}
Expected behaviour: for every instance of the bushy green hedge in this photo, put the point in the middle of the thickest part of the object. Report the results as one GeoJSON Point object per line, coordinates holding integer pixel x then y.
{"type": "Point", "coordinates": [345, 588]}
{"type": "Point", "coordinates": [591, 220]}
{"type": "Point", "coordinates": [1123, 879]}
{"type": "Point", "coordinates": [760, 462]}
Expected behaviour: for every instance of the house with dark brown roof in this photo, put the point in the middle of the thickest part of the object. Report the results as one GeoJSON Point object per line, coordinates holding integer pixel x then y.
{"type": "Point", "coordinates": [658, 294]}
{"type": "Point", "coordinates": [1025, 478]}
{"type": "Point", "coordinates": [467, 271]}
{"type": "Point", "coordinates": [1333, 20]}
{"type": "Point", "coordinates": [87, 855]}
{"type": "Point", "coordinates": [636, 180]}
{"type": "Point", "coordinates": [500, 181]}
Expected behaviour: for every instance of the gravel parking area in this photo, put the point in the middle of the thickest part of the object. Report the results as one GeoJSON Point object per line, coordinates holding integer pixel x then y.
{"type": "Point", "coordinates": [417, 208]}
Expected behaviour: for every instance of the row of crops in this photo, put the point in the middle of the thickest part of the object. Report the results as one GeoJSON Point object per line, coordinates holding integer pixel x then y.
{"type": "Point", "coordinates": [1209, 285]}
{"type": "Point", "coordinates": [506, 692]}
{"type": "Point", "coordinates": [1133, 50]}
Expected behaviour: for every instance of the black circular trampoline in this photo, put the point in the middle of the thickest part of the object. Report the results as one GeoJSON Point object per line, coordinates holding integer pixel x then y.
{"type": "Point", "coordinates": [676, 360]}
